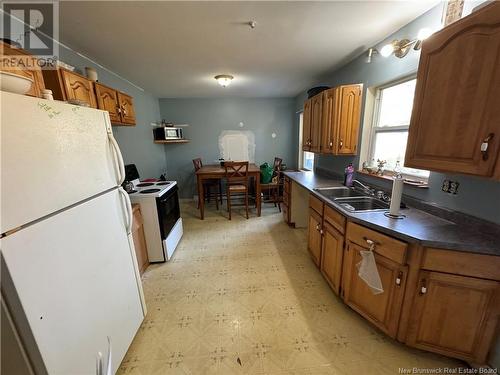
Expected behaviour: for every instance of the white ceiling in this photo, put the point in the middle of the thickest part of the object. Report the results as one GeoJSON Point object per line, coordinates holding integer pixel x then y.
{"type": "Point", "coordinates": [174, 49]}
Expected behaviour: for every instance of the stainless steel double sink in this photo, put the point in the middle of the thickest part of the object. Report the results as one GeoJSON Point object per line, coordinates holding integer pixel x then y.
{"type": "Point", "coordinates": [352, 200]}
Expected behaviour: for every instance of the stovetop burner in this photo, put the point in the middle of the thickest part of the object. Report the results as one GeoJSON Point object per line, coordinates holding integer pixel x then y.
{"type": "Point", "coordinates": [147, 191]}
{"type": "Point", "coordinates": [162, 183]}
{"type": "Point", "coordinates": [132, 191]}
{"type": "Point", "coordinates": [144, 184]}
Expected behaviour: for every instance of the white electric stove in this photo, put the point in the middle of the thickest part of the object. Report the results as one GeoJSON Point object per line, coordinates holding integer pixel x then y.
{"type": "Point", "coordinates": [159, 202]}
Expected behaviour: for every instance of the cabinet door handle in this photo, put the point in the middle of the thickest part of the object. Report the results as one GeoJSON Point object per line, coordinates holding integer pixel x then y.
{"type": "Point", "coordinates": [485, 145]}
{"type": "Point", "coordinates": [124, 111]}
{"type": "Point", "coordinates": [399, 278]}
{"type": "Point", "coordinates": [330, 144]}
{"type": "Point", "coordinates": [371, 242]}
{"type": "Point", "coordinates": [321, 231]}
{"type": "Point", "coordinates": [423, 287]}
{"type": "Point", "coordinates": [119, 110]}
{"type": "Point", "coordinates": [341, 143]}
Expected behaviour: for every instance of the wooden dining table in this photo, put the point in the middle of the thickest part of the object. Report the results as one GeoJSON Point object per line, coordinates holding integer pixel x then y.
{"type": "Point", "coordinates": [208, 172]}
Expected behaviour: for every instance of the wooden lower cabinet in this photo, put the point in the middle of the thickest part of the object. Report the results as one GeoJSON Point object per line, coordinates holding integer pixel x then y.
{"type": "Point", "coordinates": [139, 238]}
{"type": "Point", "coordinates": [315, 236]}
{"type": "Point", "coordinates": [438, 300]}
{"type": "Point", "coordinates": [383, 309]}
{"type": "Point", "coordinates": [331, 256]}
{"type": "Point", "coordinates": [454, 315]}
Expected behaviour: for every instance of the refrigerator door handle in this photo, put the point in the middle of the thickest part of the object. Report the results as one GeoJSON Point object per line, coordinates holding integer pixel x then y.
{"type": "Point", "coordinates": [118, 158]}
{"type": "Point", "coordinates": [128, 209]}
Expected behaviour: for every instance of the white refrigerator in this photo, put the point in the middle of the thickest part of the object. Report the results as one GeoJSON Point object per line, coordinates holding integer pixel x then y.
{"type": "Point", "coordinates": [69, 275]}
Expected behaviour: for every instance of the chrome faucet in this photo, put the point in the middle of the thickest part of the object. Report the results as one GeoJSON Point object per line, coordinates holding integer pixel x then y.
{"type": "Point", "coordinates": [365, 188]}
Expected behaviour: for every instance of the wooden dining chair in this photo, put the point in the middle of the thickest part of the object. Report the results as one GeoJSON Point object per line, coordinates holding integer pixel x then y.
{"type": "Point", "coordinates": [237, 181]}
{"type": "Point", "coordinates": [273, 188]}
{"type": "Point", "coordinates": [208, 185]}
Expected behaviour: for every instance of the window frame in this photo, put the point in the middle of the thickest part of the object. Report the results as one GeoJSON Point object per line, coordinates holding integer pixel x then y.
{"type": "Point", "coordinates": [375, 129]}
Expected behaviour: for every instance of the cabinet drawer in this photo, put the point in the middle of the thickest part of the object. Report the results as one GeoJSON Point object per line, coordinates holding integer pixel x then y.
{"type": "Point", "coordinates": [334, 218]}
{"type": "Point", "coordinates": [316, 204]}
{"type": "Point", "coordinates": [461, 263]}
{"type": "Point", "coordinates": [384, 245]}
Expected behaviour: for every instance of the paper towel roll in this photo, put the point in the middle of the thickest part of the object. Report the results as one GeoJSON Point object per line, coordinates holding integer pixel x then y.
{"type": "Point", "coordinates": [397, 192]}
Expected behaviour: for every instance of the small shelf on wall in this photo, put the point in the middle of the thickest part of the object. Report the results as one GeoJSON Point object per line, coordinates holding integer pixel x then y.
{"type": "Point", "coordinates": [169, 141]}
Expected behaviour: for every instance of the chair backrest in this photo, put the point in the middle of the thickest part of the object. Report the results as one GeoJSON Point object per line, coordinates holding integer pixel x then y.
{"type": "Point", "coordinates": [236, 172]}
{"type": "Point", "coordinates": [277, 164]}
{"type": "Point", "coordinates": [197, 164]}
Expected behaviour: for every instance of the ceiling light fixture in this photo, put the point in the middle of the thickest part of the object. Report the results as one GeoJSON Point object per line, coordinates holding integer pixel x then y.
{"type": "Point", "coordinates": [400, 48]}
{"type": "Point", "coordinates": [224, 79]}
{"type": "Point", "coordinates": [370, 54]}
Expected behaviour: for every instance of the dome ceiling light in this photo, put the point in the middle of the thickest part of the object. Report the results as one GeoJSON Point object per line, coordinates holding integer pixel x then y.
{"type": "Point", "coordinates": [224, 79]}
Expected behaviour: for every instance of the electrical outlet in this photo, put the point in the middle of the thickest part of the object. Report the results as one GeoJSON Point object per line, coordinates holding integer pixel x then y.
{"type": "Point", "coordinates": [450, 187]}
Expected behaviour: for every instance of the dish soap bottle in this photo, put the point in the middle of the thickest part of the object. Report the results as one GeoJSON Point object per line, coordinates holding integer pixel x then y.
{"type": "Point", "coordinates": [348, 175]}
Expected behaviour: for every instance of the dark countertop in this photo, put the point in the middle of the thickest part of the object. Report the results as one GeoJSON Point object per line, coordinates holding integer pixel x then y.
{"type": "Point", "coordinates": [418, 226]}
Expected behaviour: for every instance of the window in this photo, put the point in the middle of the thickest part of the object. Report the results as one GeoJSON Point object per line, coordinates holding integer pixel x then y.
{"type": "Point", "coordinates": [306, 159]}
{"type": "Point", "coordinates": [389, 134]}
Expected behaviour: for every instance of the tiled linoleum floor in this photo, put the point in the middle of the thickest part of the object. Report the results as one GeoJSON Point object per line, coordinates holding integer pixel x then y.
{"type": "Point", "coordinates": [243, 297]}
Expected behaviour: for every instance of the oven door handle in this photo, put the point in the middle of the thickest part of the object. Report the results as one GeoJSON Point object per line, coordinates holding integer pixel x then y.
{"type": "Point", "coordinates": [118, 160]}
{"type": "Point", "coordinates": [128, 209]}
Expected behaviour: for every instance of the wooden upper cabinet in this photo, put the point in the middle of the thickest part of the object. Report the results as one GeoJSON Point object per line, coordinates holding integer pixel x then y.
{"type": "Point", "coordinates": [383, 310]}
{"type": "Point", "coordinates": [329, 120]}
{"type": "Point", "coordinates": [334, 120]}
{"type": "Point", "coordinates": [107, 99]}
{"type": "Point", "coordinates": [127, 111]}
{"type": "Point", "coordinates": [316, 115]}
{"type": "Point", "coordinates": [78, 87]}
{"type": "Point", "coordinates": [454, 315]}
{"type": "Point", "coordinates": [306, 126]}
{"type": "Point", "coordinates": [67, 85]}
{"type": "Point", "coordinates": [16, 60]}
{"type": "Point", "coordinates": [455, 123]}
{"type": "Point", "coordinates": [315, 236]}
{"type": "Point", "coordinates": [332, 256]}
{"type": "Point", "coordinates": [347, 118]}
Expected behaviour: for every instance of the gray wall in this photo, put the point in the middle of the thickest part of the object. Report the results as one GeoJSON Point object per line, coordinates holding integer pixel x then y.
{"type": "Point", "coordinates": [477, 196]}
{"type": "Point", "coordinates": [208, 117]}
{"type": "Point", "coordinates": [136, 142]}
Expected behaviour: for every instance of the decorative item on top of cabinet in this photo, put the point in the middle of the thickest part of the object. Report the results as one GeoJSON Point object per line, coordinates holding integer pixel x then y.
{"type": "Point", "coordinates": [18, 58]}
{"type": "Point", "coordinates": [67, 85]}
{"type": "Point", "coordinates": [383, 310]}
{"type": "Point", "coordinates": [306, 126]}
{"type": "Point", "coordinates": [139, 238]}
{"type": "Point", "coordinates": [455, 315]}
{"type": "Point", "coordinates": [455, 123]}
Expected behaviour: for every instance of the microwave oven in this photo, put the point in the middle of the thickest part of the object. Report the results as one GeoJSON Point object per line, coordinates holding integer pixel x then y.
{"type": "Point", "coordinates": [165, 133]}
